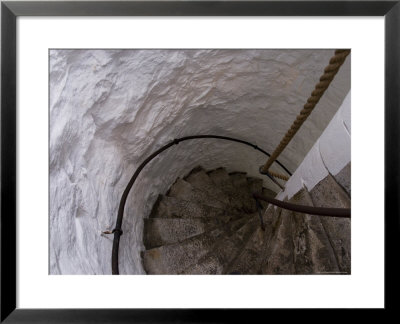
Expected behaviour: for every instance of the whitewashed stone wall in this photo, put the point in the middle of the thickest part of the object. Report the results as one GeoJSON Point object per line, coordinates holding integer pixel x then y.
{"type": "Point", "coordinates": [330, 154]}
{"type": "Point", "coordinates": [109, 109]}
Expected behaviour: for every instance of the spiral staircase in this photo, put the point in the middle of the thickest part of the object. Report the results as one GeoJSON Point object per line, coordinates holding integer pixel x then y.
{"type": "Point", "coordinates": [212, 222]}
{"type": "Point", "coordinates": [209, 223]}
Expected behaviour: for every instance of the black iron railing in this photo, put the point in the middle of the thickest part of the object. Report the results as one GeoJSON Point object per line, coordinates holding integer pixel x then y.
{"type": "Point", "coordinates": [311, 210]}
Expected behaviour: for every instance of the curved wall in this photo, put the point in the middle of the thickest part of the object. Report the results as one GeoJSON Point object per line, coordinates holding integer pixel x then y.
{"type": "Point", "coordinates": [109, 109]}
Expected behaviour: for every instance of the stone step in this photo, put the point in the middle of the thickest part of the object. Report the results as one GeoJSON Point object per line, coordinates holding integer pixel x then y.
{"type": "Point", "coordinates": [313, 253]}
{"type": "Point", "coordinates": [242, 187]}
{"type": "Point", "coordinates": [328, 193]}
{"type": "Point", "coordinates": [220, 177]}
{"type": "Point", "coordinates": [279, 255]}
{"type": "Point", "coordinates": [255, 185]}
{"type": "Point", "coordinates": [184, 190]}
{"type": "Point", "coordinates": [174, 258]}
{"type": "Point", "coordinates": [240, 196]}
{"type": "Point", "coordinates": [268, 192]}
{"type": "Point", "coordinates": [199, 179]}
{"type": "Point", "coordinates": [343, 178]}
{"type": "Point", "coordinates": [208, 224]}
{"type": "Point", "coordinates": [161, 231]}
{"type": "Point", "coordinates": [249, 259]}
{"type": "Point", "coordinates": [178, 208]}
{"type": "Point", "coordinates": [225, 249]}
{"type": "Point", "coordinates": [239, 179]}
{"type": "Point", "coordinates": [236, 225]}
{"type": "Point", "coordinates": [221, 180]}
{"type": "Point", "coordinates": [271, 217]}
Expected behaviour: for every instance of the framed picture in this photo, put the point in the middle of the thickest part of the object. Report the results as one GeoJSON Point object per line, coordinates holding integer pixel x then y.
{"type": "Point", "coordinates": [39, 40]}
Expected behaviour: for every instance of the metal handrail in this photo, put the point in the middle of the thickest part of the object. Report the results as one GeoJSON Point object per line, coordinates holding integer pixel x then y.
{"type": "Point", "coordinates": [117, 231]}
{"type": "Point", "coordinates": [320, 211]}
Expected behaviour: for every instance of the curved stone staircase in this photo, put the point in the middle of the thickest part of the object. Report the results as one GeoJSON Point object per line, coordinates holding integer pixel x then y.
{"type": "Point", "coordinates": [208, 223]}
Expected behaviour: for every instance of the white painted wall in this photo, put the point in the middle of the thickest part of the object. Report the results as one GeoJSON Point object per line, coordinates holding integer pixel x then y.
{"type": "Point", "coordinates": [330, 153]}
{"type": "Point", "coordinates": [109, 109]}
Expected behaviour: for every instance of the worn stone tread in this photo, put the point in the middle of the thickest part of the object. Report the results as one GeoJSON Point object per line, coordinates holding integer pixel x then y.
{"type": "Point", "coordinates": [219, 177]}
{"type": "Point", "coordinates": [223, 181]}
{"type": "Point", "coordinates": [161, 231]}
{"type": "Point", "coordinates": [243, 189]}
{"type": "Point", "coordinates": [239, 179]}
{"type": "Point", "coordinates": [185, 191]}
{"type": "Point", "coordinates": [255, 185]}
{"type": "Point", "coordinates": [313, 253]}
{"type": "Point", "coordinates": [224, 250]}
{"type": "Point", "coordinates": [279, 257]}
{"type": "Point", "coordinates": [235, 185]}
{"type": "Point", "coordinates": [268, 192]}
{"type": "Point", "coordinates": [174, 258]}
{"type": "Point", "coordinates": [250, 257]}
{"type": "Point", "coordinates": [208, 223]}
{"type": "Point", "coordinates": [328, 193]}
{"type": "Point", "coordinates": [199, 179]}
{"type": "Point", "coordinates": [343, 178]}
{"type": "Point", "coordinates": [174, 207]}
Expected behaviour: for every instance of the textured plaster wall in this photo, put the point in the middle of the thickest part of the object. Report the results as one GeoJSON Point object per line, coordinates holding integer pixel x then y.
{"type": "Point", "coordinates": [109, 109]}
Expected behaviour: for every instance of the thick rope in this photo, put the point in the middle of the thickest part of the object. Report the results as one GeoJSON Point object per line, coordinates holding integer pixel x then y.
{"type": "Point", "coordinates": [278, 175]}
{"type": "Point", "coordinates": [329, 73]}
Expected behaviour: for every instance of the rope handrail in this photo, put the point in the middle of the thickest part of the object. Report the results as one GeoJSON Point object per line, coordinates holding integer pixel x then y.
{"type": "Point", "coordinates": [117, 231]}
{"type": "Point", "coordinates": [325, 80]}
{"type": "Point", "coordinates": [320, 211]}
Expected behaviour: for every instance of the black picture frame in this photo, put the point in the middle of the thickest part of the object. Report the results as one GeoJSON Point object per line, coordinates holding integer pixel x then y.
{"type": "Point", "coordinates": [11, 10]}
